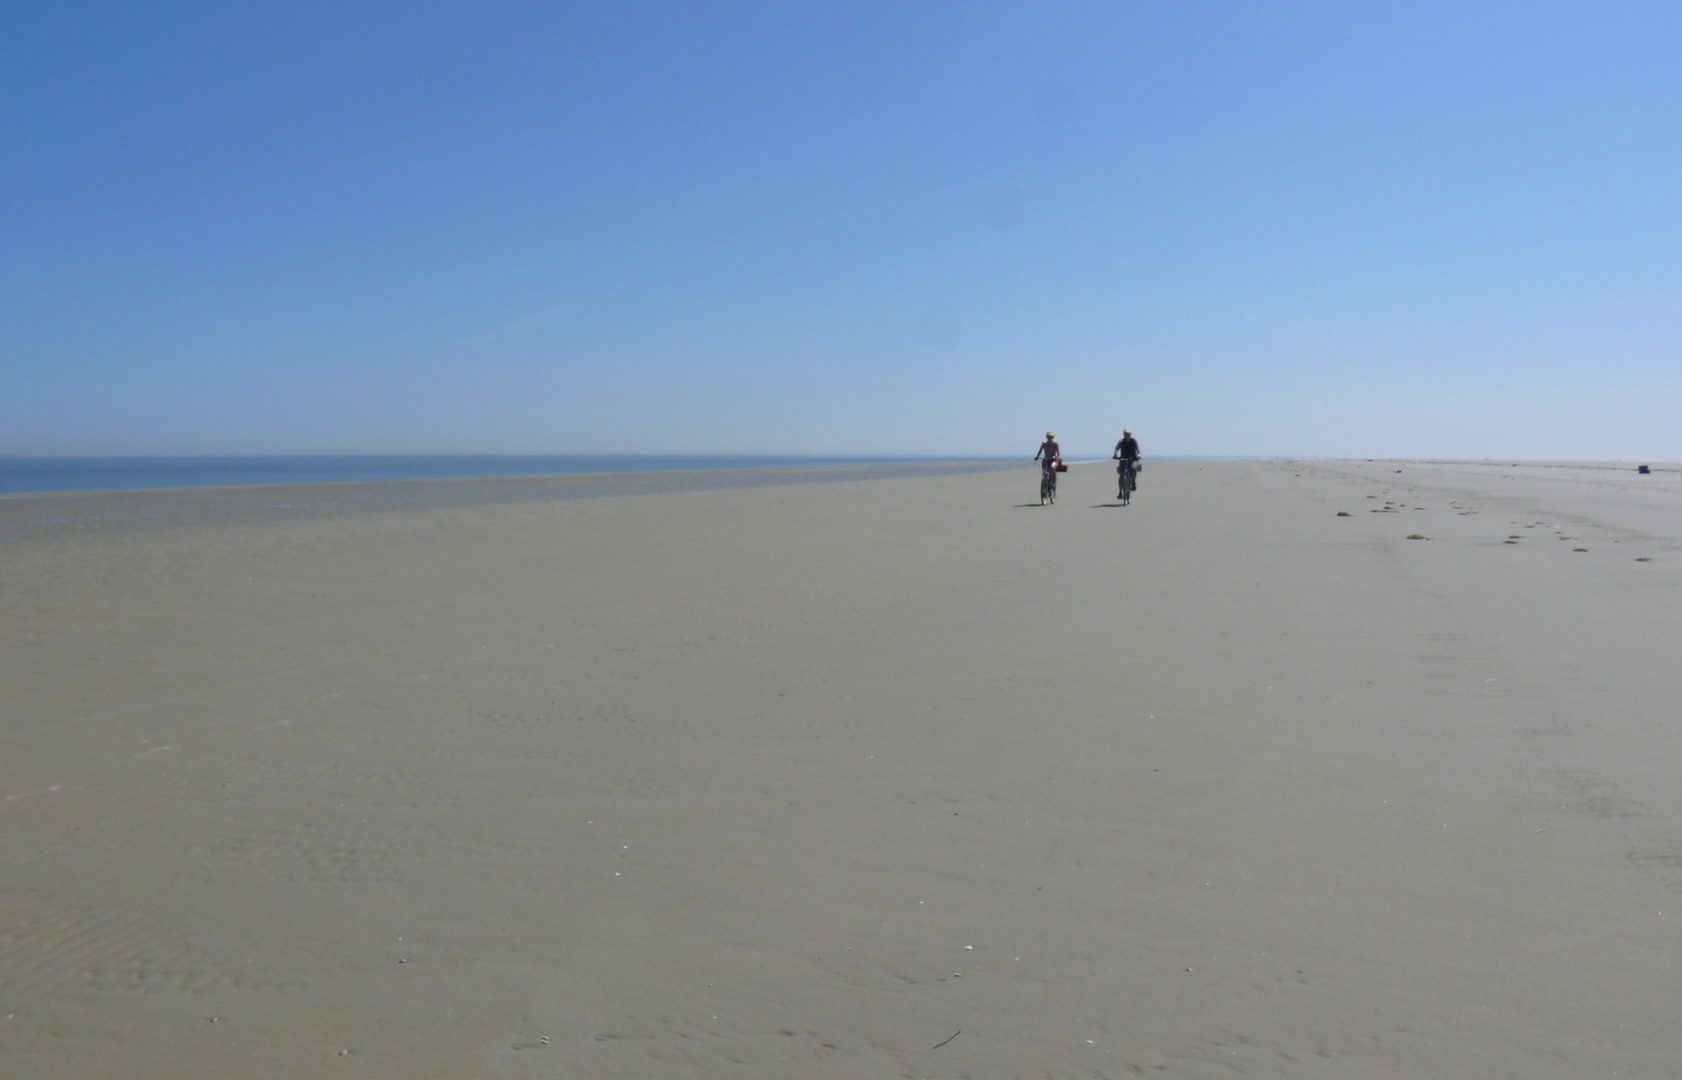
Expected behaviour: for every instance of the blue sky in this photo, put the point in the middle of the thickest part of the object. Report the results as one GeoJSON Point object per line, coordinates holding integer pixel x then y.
{"type": "Point", "coordinates": [1320, 229]}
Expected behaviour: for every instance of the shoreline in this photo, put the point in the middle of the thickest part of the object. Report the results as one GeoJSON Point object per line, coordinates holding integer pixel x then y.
{"type": "Point", "coordinates": [159, 507]}
{"type": "Point", "coordinates": [197, 472]}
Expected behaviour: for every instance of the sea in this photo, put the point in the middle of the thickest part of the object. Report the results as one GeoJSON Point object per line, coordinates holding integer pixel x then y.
{"type": "Point", "coordinates": [36, 475]}
{"type": "Point", "coordinates": [46, 497]}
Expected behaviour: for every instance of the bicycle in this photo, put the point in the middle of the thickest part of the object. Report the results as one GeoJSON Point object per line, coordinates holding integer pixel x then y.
{"type": "Point", "coordinates": [1048, 483]}
{"type": "Point", "coordinates": [1129, 480]}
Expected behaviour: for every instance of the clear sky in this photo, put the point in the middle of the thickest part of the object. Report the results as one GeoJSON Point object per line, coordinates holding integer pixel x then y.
{"type": "Point", "coordinates": [904, 228]}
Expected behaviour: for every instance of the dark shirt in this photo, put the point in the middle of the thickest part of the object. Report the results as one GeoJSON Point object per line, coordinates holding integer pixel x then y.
{"type": "Point", "coordinates": [1127, 449]}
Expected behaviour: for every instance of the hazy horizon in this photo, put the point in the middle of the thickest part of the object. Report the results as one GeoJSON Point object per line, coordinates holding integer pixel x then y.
{"type": "Point", "coordinates": [1414, 231]}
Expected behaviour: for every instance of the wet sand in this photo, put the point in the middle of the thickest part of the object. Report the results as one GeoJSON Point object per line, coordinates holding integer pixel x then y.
{"type": "Point", "coordinates": [890, 777]}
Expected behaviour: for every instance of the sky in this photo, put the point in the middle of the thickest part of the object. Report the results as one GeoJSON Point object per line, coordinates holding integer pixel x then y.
{"type": "Point", "coordinates": [1269, 229]}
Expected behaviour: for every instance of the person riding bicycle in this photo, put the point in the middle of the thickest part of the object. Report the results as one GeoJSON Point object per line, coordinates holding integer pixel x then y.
{"type": "Point", "coordinates": [1049, 453]}
{"type": "Point", "coordinates": [1127, 457]}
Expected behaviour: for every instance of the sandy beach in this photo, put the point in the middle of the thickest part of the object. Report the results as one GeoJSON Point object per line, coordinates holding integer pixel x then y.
{"type": "Point", "coordinates": [878, 778]}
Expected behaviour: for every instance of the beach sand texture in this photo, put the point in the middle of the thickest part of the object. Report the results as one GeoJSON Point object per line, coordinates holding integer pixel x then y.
{"type": "Point", "coordinates": [804, 780]}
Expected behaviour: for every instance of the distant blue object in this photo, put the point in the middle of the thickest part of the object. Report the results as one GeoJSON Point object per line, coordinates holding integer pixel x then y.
{"type": "Point", "coordinates": [1642, 469]}
{"type": "Point", "coordinates": [41, 475]}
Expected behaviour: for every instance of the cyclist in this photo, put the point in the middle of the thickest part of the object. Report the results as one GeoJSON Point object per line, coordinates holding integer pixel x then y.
{"type": "Point", "coordinates": [1049, 452]}
{"type": "Point", "coordinates": [1049, 455]}
{"type": "Point", "coordinates": [1127, 467]}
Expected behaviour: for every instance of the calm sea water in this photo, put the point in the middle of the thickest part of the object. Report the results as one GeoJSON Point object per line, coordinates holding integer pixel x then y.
{"type": "Point", "coordinates": [39, 475]}
{"type": "Point", "coordinates": [43, 498]}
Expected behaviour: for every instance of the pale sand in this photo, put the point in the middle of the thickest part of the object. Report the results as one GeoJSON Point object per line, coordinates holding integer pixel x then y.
{"type": "Point", "coordinates": [800, 781]}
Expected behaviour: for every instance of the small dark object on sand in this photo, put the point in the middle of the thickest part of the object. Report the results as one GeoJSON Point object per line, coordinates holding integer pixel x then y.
{"type": "Point", "coordinates": [1343, 513]}
{"type": "Point", "coordinates": [1418, 536]}
{"type": "Point", "coordinates": [942, 1043]}
{"type": "Point", "coordinates": [1642, 469]}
